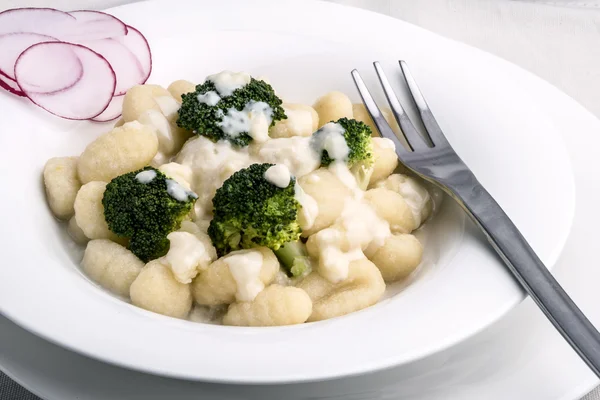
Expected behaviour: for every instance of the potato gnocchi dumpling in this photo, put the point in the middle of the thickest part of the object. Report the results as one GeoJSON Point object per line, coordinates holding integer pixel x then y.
{"type": "Point", "coordinates": [142, 98]}
{"type": "Point", "coordinates": [334, 218]}
{"type": "Point", "coordinates": [329, 193]}
{"type": "Point", "coordinates": [111, 265]}
{"type": "Point", "coordinates": [333, 106]}
{"type": "Point", "coordinates": [217, 284]}
{"type": "Point", "coordinates": [61, 183]}
{"type": "Point", "coordinates": [89, 211]}
{"type": "Point", "coordinates": [302, 120]}
{"type": "Point", "coordinates": [363, 288]}
{"type": "Point", "coordinates": [276, 305]}
{"type": "Point", "coordinates": [399, 256]}
{"type": "Point", "coordinates": [156, 289]}
{"type": "Point", "coordinates": [177, 88]}
{"type": "Point", "coordinates": [392, 207]}
{"type": "Point", "coordinates": [75, 232]}
{"type": "Point", "coordinates": [386, 160]}
{"type": "Point", "coordinates": [124, 149]}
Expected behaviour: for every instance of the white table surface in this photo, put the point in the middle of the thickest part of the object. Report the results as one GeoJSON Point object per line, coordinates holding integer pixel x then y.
{"type": "Point", "coordinates": [556, 39]}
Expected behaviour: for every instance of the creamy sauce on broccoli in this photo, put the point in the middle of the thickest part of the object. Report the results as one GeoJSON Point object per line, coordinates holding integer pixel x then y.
{"type": "Point", "coordinates": [226, 81]}
{"type": "Point", "coordinates": [296, 153]}
{"type": "Point", "coordinates": [146, 176]}
{"type": "Point", "coordinates": [278, 175]}
{"type": "Point", "coordinates": [186, 254]}
{"type": "Point", "coordinates": [178, 192]}
{"type": "Point", "coordinates": [245, 268]}
{"type": "Point", "coordinates": [341, 171]}
{"type": "Point", "coordinates": [211, 98]}
{"type": "Point", "coordinates": [254, 119]}
{"type": "Point", "coordinates": [330, 138]}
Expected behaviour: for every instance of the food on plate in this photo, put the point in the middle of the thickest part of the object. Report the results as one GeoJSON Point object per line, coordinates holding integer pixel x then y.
{"type": "Point", "coordinates": [76, 65]}
{"type": "Point", "coordinates": [220, 203]}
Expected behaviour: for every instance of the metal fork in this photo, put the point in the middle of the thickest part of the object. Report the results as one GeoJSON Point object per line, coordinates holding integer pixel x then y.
{"type": "Point", "coordinates": [438, 163]}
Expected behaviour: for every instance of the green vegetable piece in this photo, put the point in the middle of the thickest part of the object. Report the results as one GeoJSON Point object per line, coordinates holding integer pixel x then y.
{"type": "Point", "coordinates": [142, 206]}
{"type": "Point", "coordinates": [204, 119]}
{"type": "Point", "coordinates": [360, 160]}
{"type": "Point", "coordinates": [249, 211]}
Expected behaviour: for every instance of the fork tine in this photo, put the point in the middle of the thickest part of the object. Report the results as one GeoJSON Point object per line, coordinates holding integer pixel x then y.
{"type": "Point", "coordinates": [384, 128]}
{"type": "Point", "coordinates": [414, 139]}
{"type": "Point", "coordinates": [433, 129]}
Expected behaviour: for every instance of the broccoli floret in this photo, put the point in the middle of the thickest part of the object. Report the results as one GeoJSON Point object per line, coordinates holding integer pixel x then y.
{"type": "Point", "coordinates": [249, 211]}
{"type": "Point", "coordinates": [145, 206]}
{"type": "Point", "coordinates": [205, 119]}
{"type": "Point", "coordinates": [357, 136]}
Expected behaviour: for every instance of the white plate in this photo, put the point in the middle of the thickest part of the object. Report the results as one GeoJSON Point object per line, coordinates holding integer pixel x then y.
{"type": "Point", "coordinates": [305, 49]}
{"type": "Point", "coordinates": [519, 357]}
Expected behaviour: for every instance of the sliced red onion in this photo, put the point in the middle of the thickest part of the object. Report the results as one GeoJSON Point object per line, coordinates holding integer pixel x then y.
{"type": "Point", "coordinates": [127, 67]}
{"type": "Point", "coordinates": [13, 44]}
{"type": "Point", "coordinates": [89, 96]}
{"type": "Point", "coordinates": [94, 25]}
{"type": "Point", "coordinates": [44, 21]}
{"type": "Point", "coordinates": [138, 45]}
{"type": "Point", "coordinates": [11, 86]}
{"type": "Point", "coordinates": [113, 111]}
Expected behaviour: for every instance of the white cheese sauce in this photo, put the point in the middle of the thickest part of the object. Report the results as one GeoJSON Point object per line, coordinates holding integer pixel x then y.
{"type": "Point", "coordinates": [211, 98]}
{"type": "Point", "coordinates": [254, 119]}
{"type": "Point", "coordinates": [296, 153]}
{"type": "Point", "coordinates": [330, 138]}
{"type": "Point", "coordinates": [245, 268]}
{"type": "Point", "coordinates": [358, 228]}
{"type": "Point", "coordinates": [178, 192]}
{"type": "Point", "coordinates": [226, 82]}
{"type": "Point", "coordinates": [278, 175]}
{"type": "Point", "coordinates": [146, 176]}
{"type": "Point", "coordinates": [186, 256]}
{"type": "Point", "coordinates": [167, 104]}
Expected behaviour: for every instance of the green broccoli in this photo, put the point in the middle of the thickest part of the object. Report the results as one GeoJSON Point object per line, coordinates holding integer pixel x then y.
{"type": "Point", "coordinates": [357, 136]}
{"type": "Point", "coordinates": [145, 206]}
{"type": "Point", "coordinates": [249, 211]}
{"type": "Point", "coordinates": [206, 119]}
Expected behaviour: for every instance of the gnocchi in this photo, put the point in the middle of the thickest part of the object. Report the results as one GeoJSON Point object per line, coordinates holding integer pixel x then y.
{"type": "Point", "coordinates": [392, 207]}
{"type": "Point", "coordinates": [177, 88]}
{"type": "Point", "coordinates": [156, 289]}
{"type": "Point", "coordinates": [333, 106]}
{"type": "Point", "coordinates": [363, 288]}
{"type": "Point", "coordinates": [399, 256]}
{"type": "Point", "coordinates": [302, 120]}
{"type": "Point", "coordinates": [111, 265]}
{"type": "Point", "coordinates": [340, 231]}
{"type": "Point", "coordinates": [89, 211]}
{"type": "Point", "coordinates": [217, 284]}
{"type": "Point", "coordinates": [62, 184]}
{"type": "Point", "coordinates": [386, 160]}
{"type": "Point", "coordinates": [329, 193]}
{"type": "Point", "coordinates": [124, 149]}
{"type": "Point", "coordinates": [276, 305]}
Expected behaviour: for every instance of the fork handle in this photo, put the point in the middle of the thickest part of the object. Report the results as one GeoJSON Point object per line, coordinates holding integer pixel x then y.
{"type": "Point", "coordinates": [529, 270]}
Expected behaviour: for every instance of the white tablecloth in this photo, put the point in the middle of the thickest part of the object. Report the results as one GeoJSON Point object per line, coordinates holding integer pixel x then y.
{"type": "Point", "coordinates": [555, 39]}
